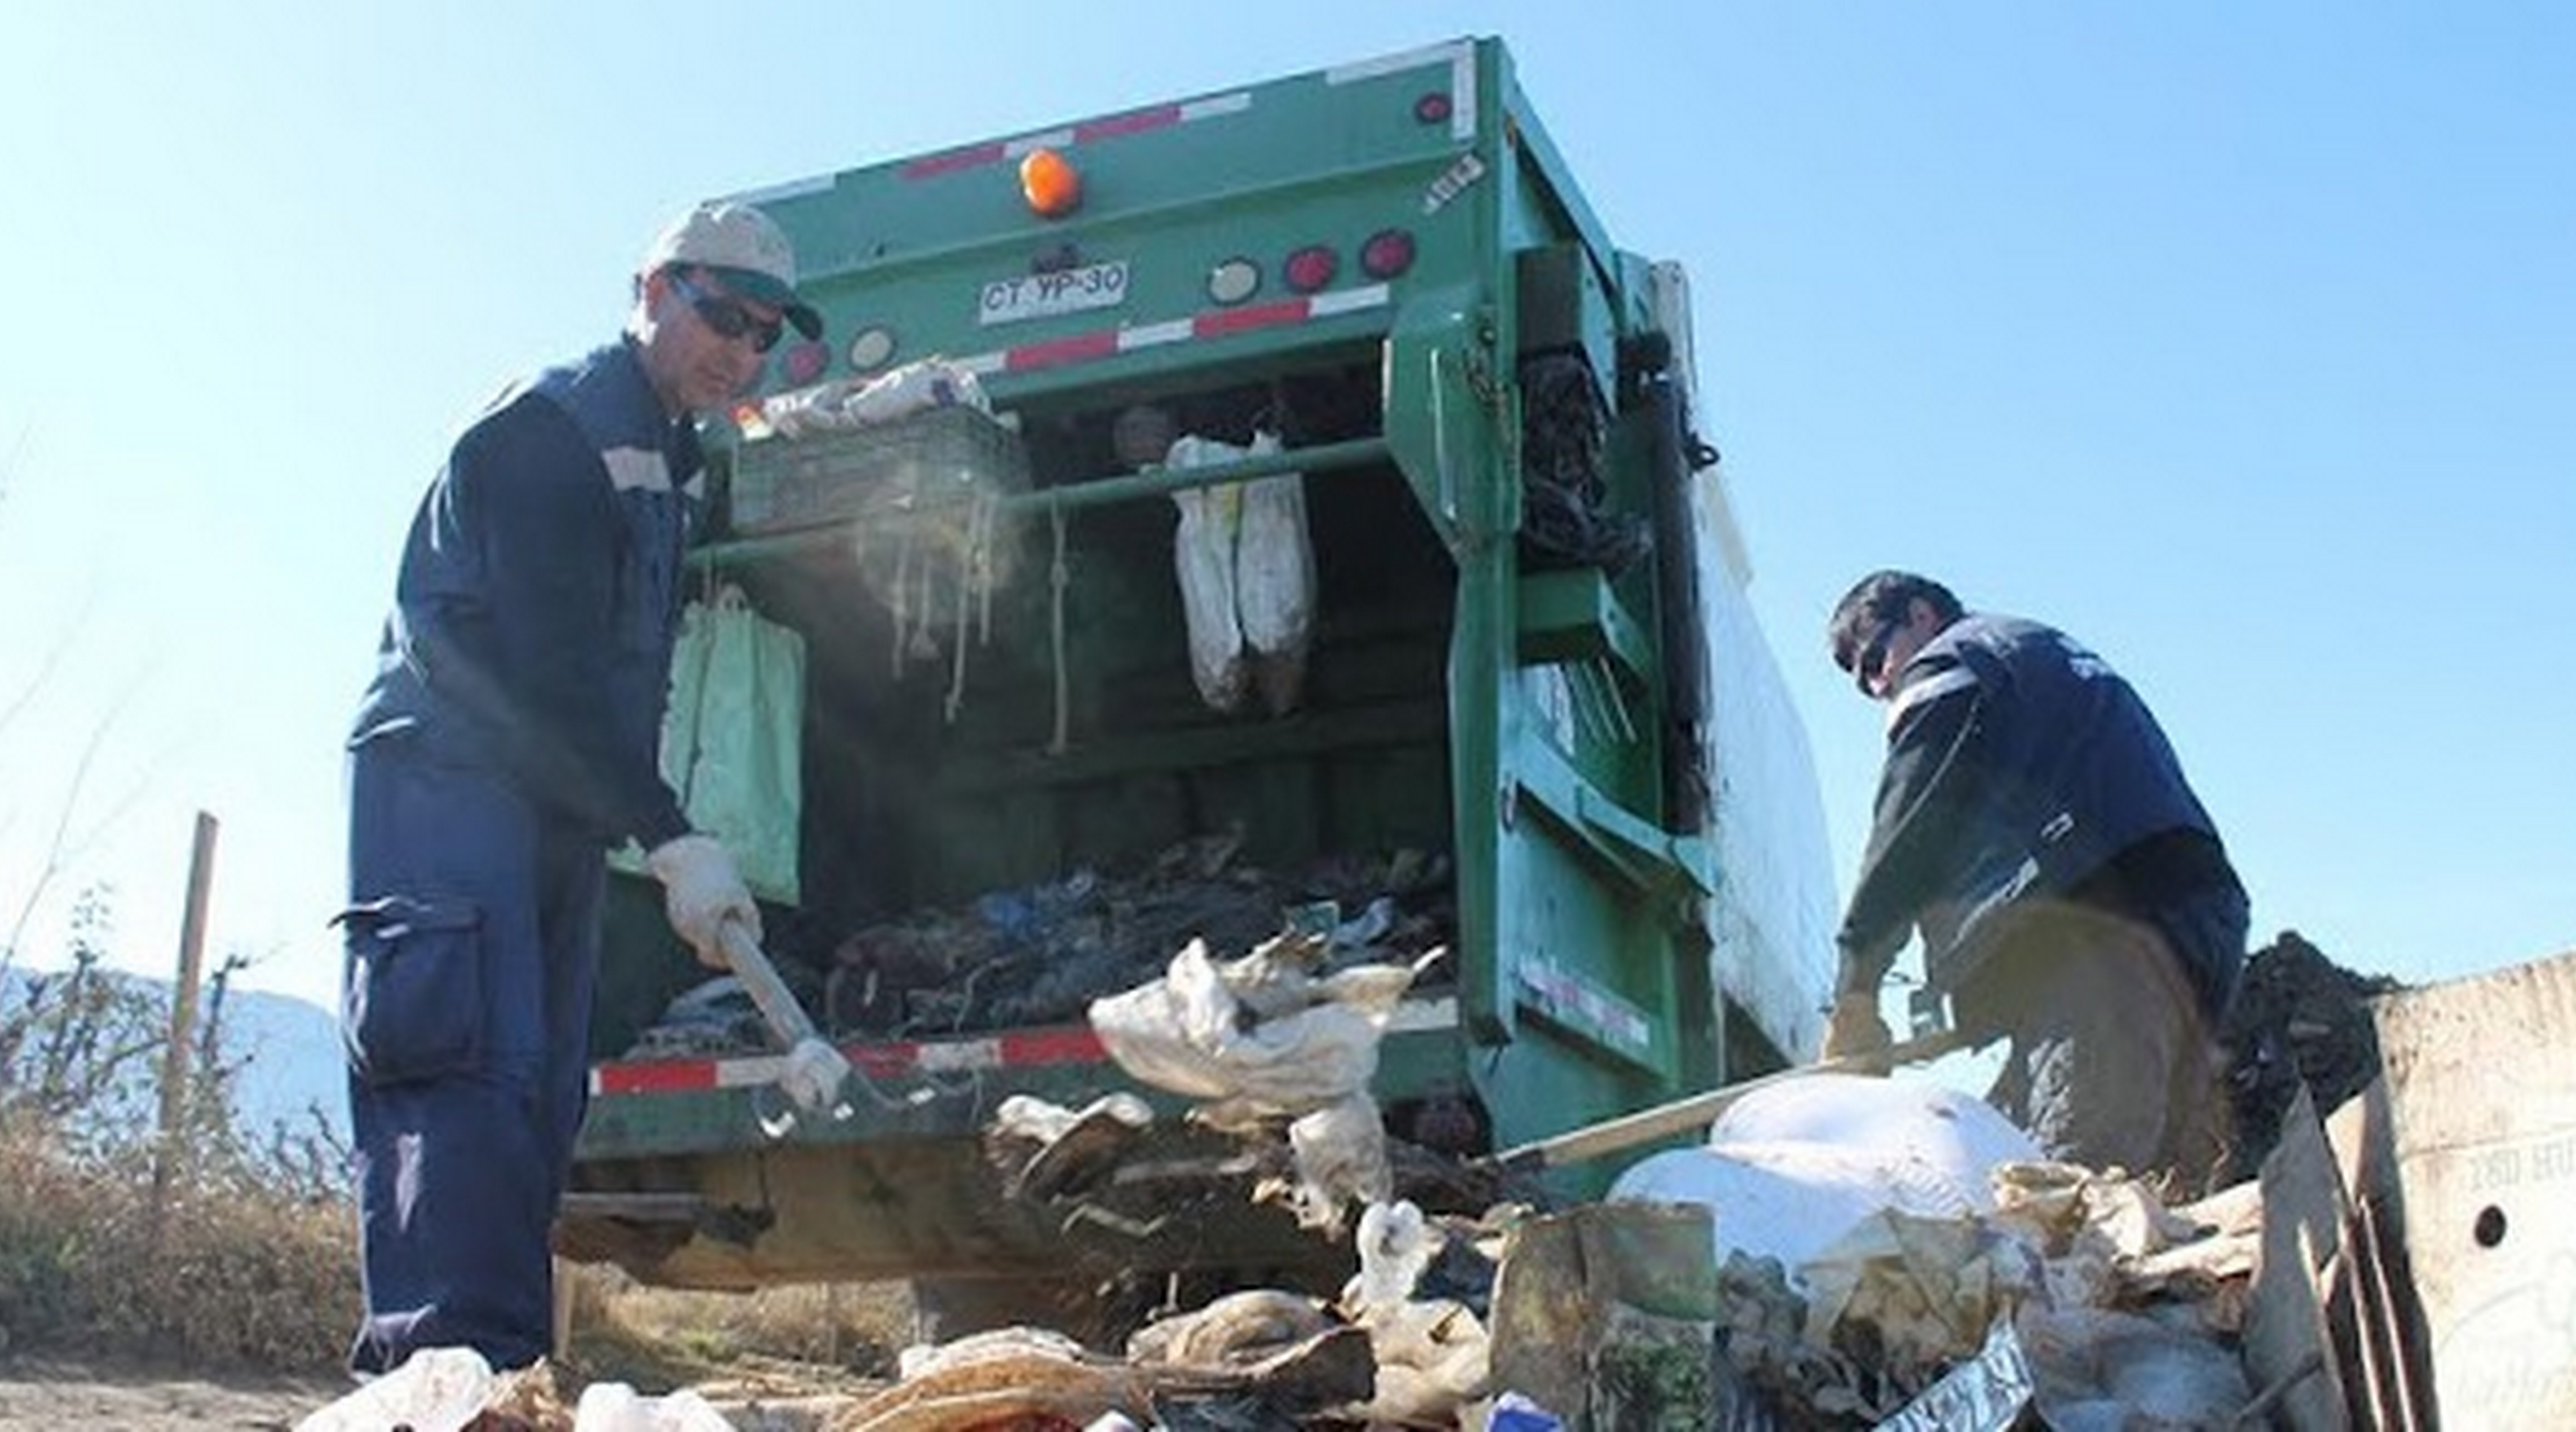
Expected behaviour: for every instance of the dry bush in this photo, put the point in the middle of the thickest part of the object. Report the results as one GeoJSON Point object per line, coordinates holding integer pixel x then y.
{"type": "Point", "coordinates": [658, 1335]}
{"type": "Point", "coordinates": [224, 1275]}
{"type": "Point", "coordinates": [214, 1250]}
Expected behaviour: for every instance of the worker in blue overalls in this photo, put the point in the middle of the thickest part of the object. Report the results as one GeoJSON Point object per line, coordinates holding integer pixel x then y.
{"type": "Point", "coordinates": [509, 739]}
{"type": "Point", "coordinates": [2034, 827]}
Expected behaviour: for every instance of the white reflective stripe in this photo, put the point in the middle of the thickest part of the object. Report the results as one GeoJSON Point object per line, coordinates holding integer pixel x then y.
{"type": "Point", "coordinates": [960, 1054]}
{"type": "Point", "coordinates": [1396, 63]}
{"type": "Point", "coordinates": [1462, 91]}
{"type": "Point", "coordinates": [748, 1073]}
{"type": "Point", "coordinates": [1348, 300]}
{"type": "Point", "coordinates": [1146, 335]}
{"type": "Point", "coordinates": [1053, 139]}
{"type": "Point", "coordinates": [1216, 104]}
{"type": "Point", "coordinates": [1932, 688]}
{"type": "Point", "coordinates": [630, 468]}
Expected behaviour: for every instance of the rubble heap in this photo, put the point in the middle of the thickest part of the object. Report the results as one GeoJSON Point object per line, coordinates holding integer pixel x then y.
{"type": "Point", "coordinates": [2299, 1019]}
{"type": "Point", "coordinates": [1039, 956]}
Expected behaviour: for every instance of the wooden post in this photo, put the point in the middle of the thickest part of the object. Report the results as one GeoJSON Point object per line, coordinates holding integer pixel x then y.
{"type": "Point", "coordinates": [175, 1071]}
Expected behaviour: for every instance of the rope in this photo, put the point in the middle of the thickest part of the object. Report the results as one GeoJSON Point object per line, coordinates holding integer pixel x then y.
{"type": "Point", "coordinates": [1058, 578]}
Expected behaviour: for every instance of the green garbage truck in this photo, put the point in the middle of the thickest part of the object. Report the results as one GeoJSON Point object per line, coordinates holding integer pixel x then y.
{"type": "Point", "coordinates": [1289, 479]}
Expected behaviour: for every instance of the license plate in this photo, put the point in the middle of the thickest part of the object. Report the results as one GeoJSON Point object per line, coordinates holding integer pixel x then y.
{"type": "Point", "coordinates": [1043, 295]}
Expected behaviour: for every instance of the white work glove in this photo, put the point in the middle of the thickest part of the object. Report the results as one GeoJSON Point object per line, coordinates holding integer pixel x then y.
{"type": "Point", "coordinates": [702, 890]}
{"type": "Point", "coordinates": [1856, 1028]}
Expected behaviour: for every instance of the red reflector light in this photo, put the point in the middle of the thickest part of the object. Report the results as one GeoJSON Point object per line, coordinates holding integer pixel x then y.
{"type": "Point", "coordinates": [805, 362]}
{"type": "Point", "coordinates": [1432, 108]}
{"type": "Point", "coordinates": [1387, 253]}
{"type": "Point", "coordinates": [1310, 268]}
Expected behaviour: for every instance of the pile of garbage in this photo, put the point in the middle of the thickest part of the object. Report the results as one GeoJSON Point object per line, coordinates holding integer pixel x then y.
{"type": "Point", "coordinates": [2299, 1021]}
{"type": "Point", "coordinates": [1040, 956]}
{"type": "Point", "coordinates": [1844, 1252]}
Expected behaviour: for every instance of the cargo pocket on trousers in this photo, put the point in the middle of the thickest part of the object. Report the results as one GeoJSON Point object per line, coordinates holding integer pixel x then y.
{"type": "Point", "coordinates": [411, 995]}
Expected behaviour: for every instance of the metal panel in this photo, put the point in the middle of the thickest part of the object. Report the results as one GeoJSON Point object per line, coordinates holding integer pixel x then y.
{"type": "Point", "coordinates": [2479, 1193]}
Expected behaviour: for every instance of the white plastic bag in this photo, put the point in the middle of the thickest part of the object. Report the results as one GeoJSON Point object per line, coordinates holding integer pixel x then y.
{"type": "Point", "coordinates": [1792, 1168]}
{"type": "Point", "coordinates": [437, 1389]}
{"type": "Point", "coordinates": [1247, 575]}
{"type": "Point", "coordinates": [617, 1407]}
{"type": "Point", "coordinates": [857, 402]}
{"type": "Point", "coordinates": [1185, 1033]}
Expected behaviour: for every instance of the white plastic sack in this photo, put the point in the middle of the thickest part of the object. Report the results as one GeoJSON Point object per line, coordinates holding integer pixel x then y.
{"type": "Point", "coordinates": [437, 1389]}
{"type": "Point", "coordinates": [1912, 1119]}
{"type": "Point", "coordinates": [1340, 1152]}
{"type": "Point", "coordinates": [1184, 1033]}
{"type": "Point", "coordinates": [855, 403]}
{"type": "Point", "coordinates": [1247, 575]}
{"type": "Point", "coordinates": [1203, 559]}
{"type": "Point", "coordinates": [617, 1407]}
{"type": "Point", "coordinates": [1793, 1167]}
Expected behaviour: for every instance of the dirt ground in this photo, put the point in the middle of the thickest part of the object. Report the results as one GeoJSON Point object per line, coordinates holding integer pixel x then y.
{"type": "Point", "coordinates": [56, 1393]}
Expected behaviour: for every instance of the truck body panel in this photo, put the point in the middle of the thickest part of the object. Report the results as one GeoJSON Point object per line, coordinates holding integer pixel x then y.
{"type": "Point", "coordinates": [1531, 655]}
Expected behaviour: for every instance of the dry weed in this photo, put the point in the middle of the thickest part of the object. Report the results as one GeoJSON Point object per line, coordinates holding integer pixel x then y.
{"type": "Point", "coordinates": [214, 1271]}
{"type": "Point", "coordinates": [675, 1336]}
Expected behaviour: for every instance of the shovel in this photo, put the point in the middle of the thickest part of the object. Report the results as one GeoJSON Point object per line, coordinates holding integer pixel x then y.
{"type": "Point", "coordinates": [814, 1070]}
{"type": "Point", "coordinates": [1700, 1110]}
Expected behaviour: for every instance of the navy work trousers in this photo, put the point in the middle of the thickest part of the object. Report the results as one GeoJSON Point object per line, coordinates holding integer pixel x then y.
{"type": "Point", "coordinates": [472, 940]}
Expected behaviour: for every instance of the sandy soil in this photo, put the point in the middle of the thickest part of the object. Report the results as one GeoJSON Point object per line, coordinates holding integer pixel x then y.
{"type": "Point", "coordinates": [57, 1393]}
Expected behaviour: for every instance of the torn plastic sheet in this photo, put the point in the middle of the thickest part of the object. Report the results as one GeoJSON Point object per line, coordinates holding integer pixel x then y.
{"type": "Point", "coordinates": [1259, 1035]}
{"type": "Point", "coordinates": [1927, 1288]}
{"type": "Point", "coordinates": [1984, 1394]}
{"type": "Point", "coordinates": [1263, 1038]}
{"type": "Point", "coordinates": [1433, 1355]}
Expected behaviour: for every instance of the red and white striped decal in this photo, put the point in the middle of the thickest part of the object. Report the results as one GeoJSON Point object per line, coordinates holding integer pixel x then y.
{"type": "Point", "coordinates": [1089, 131]}
{"type": "Point", "coordinates": [1017, 1049]}
{"type": "Point", "coordinates": [1013, 1049]}
{"type": "Point", "coordinates": [1209, 323]}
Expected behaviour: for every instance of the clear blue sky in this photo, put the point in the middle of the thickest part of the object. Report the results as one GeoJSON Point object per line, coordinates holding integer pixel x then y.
{"type": "Point", "coordinates": [2238, 340]}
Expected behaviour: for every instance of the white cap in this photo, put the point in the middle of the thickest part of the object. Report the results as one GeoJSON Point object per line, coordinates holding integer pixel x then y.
{"type": "Point", "coordinates": [747, 252]}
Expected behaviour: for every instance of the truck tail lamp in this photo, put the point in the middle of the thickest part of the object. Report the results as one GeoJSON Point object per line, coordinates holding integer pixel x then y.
{"type": "Point", "coordinates": [1233, 281]}
{"type": "Point", "coordinates": [804, 363]}
{"type": "Point", "coordinates": [1050, 183]}
{"type": "Point", "coordinates": [1309, 269]}
{"type": "Point", "coordinates": [870, 347]}
{"type": "Point", "coordinates": [1387, 253]}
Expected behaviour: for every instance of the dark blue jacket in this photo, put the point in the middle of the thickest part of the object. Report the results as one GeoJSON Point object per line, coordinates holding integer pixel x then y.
{"type": "Point", "coordinates": [2020, 764]}
{"type": "Point", "coordinates": [539, 596]}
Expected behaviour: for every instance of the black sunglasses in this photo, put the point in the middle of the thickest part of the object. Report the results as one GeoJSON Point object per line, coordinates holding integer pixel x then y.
{"type": "Point", "coordinates": [1865, 666]}
{"type": "Point", "coordinates": [727, 316]}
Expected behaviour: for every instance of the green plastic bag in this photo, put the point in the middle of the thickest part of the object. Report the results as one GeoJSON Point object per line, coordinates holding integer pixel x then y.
{"type": "Point", "coordinates": [732, 739]}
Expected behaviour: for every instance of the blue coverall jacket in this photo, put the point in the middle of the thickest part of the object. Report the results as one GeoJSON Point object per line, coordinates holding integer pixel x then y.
{"type": "Point", "coordinates": [2021, 765]}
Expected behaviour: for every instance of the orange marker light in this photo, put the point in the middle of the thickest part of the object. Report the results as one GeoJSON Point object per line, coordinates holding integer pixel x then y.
{"type": "Point", "coordinates": [1051, 183]}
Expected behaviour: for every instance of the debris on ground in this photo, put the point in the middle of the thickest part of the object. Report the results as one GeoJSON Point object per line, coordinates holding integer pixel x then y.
{"type": "Point", "coordinates": [2299, 1021]}
{"type": "Point", "coordinates": [1276, 1037]}
{"type": "Point", "coordinates": [1871, 1252]}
